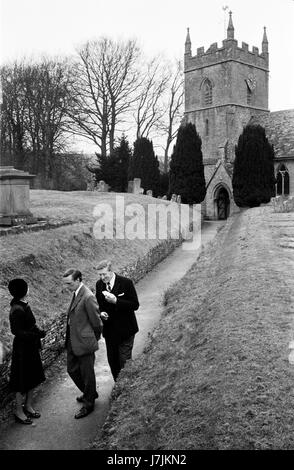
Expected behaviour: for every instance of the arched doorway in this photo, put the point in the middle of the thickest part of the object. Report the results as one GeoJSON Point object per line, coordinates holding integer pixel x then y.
{"type": "Point", "coordinates": [223, 204]}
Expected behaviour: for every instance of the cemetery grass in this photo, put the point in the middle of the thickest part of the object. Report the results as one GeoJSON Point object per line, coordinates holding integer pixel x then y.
{"type": "Point", "coordinates": [42, 257]}
{"type": "Point", "coordinates": [215, 373]}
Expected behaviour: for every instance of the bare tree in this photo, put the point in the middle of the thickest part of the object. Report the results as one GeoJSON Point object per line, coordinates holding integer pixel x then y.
{"type": "Point", "coordinates": [13, 115]}
{"type": "Point", "coordinates": [106, 79]}
{"type": "Point", "coordinates": [173, 108]}
{"type": "Point", "coordinates": [149, 106]}
{"type": "Point", "coordinates": [35, 98]}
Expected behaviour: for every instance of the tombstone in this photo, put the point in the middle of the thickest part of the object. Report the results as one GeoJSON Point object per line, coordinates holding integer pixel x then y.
{"type": "Point", "coordinates": [15, 197]}
{"type": "Point", "coordinates": [141, 190]}
{"type": "Point", "coordinates": [164, 197]}
{"type": "Point", "coordinates": [102, 187]}
{"type": "Point", "coordinates": [137, 186]}
{"type": "Point", "coordinates": [179, 200]}
{"type": "Point", "coordinates": [149, 192]}
{"type": "Point", "coordinates": [130, 186]}
{"type": "Point", "coordinates": [174, 198]}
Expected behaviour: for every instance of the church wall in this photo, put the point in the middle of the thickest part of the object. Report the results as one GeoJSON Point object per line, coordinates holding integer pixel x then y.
{"type": "Point", "coordinates": [225, 125]}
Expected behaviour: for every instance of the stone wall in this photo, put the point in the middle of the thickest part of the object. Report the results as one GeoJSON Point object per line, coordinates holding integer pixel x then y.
{"type": "Point", "coordinates": [53, 343]}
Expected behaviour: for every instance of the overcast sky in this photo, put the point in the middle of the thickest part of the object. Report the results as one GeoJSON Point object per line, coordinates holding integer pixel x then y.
{"type": "Point", "coordinates": [57, 27]}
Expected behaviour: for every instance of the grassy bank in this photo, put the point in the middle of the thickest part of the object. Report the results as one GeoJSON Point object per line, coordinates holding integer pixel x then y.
{"type": "Point", "coordinates": [42, 257]}
{"type": "Point", "coordinates": [215, 374]}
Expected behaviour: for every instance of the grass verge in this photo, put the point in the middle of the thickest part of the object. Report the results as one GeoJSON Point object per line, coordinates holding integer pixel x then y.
{"type": "Point", "coordinates": [215, 374]}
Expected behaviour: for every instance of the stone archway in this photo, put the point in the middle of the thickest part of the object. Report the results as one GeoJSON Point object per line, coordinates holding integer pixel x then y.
{"type": "Point", "coordinates": [222, 203]}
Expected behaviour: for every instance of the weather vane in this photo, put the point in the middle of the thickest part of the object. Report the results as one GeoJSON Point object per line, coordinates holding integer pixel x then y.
{"type": "Point", "coordinates": [225, 8]}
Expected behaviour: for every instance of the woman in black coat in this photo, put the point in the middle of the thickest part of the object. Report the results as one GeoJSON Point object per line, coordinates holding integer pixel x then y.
{"type": "Point", "coordinates": [26, 366]}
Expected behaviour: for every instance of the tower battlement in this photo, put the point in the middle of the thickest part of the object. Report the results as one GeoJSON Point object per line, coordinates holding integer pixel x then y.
{"type": "Point", "coordinates": [228, 51]}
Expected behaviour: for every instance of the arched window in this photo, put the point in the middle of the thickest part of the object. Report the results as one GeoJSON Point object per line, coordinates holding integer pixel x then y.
{"type": "Point", "coordinates": [283, 180]}
{"type": "Point", "coordinates": [206, 127]}
{"type": "Point", "coordinates": [249, 96]}
{"type": "Point", "coordinates": [206, 92]}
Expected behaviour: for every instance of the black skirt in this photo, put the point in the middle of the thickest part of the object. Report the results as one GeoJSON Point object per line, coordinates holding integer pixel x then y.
{"type": "Point", "coordinates": [26, 367]}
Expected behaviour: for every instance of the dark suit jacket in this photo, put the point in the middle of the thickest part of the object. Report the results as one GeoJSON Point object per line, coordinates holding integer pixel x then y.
{"type": "Point", "coordinates": [84, 325]}
{"type": "Point", "coordinates": [122, 322]}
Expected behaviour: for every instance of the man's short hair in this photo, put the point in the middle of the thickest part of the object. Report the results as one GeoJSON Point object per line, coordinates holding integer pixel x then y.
{"type": "Point", "coordinates": [105, 263]}
{"type": "Point", "coordinates": [74, 273]}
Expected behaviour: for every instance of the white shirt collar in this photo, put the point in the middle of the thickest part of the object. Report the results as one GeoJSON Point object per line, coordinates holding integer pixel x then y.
{"type": "Point", "coordinates": [76, 292]}
{"type": "Point", "coordinates": [112, 281]}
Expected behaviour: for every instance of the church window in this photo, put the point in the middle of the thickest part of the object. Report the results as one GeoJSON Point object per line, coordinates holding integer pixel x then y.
{"type": "Point", "coordinates": [249, 96]}
{"type": "Point", "coordinates": [207, 92]}
{"type": "Point", "coordinates": [206, 127]}
{"type": "Point", "coordinates": [282, 181]}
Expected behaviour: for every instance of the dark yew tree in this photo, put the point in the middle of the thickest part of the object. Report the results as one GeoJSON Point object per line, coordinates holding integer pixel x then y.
{"type": "Point", "coordinates": [144, 164]}
{"type": "Point", "coordinates": [186, 166]}
{"type": "Point", "coordinates": [113, 169]}
{"type": "Point", "coordinates": [253, 175]}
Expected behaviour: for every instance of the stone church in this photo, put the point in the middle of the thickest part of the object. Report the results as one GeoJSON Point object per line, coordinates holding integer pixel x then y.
{"type": "Point", "coordinates": [225, 89]}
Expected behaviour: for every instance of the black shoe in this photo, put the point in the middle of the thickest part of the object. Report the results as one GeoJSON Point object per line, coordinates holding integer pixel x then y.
{"type": "Point", "coordinates": [22, 421]}
{"type": "Point", "coordinates": [31, 414]}
{"type": "Point", "coordinates": [84, 411]}
{"type": "Point", "coordinates": [81, 399]}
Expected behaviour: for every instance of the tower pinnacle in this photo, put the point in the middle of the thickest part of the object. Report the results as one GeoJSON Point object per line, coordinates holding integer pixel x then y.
{"type": "Point", "coordinates": [264, 42]}
{"type": "Point", "coordinates": [230, 30]}
{"type": "Point", "coordinates": [188, 43]}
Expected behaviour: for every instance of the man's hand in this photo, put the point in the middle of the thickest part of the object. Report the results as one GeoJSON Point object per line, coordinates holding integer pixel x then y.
{"type": "Point", "coordinates": [104, 315]}
{"type": "Point", "coordinates": [109, 297]}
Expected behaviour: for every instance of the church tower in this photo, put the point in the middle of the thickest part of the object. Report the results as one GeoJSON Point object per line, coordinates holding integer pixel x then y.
{"type": "Point", "coordinates": [224, 87]}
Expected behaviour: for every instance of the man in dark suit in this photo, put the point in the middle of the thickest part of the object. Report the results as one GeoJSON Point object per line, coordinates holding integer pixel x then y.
{"type": "Point", "coordinates": [117, 300]}
{"type": "Point", "coordinates": [84, 327]}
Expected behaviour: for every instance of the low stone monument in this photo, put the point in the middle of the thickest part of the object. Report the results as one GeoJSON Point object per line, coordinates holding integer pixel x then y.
{"type": "Point", "coordinates": [15, 197]}
{"type": "Point", "coordinates": [174, 198]}
{"type": "Point", "coordinates": [179, 199]}
{"type": "Point", "coordinates": [282, 204]}
{"type": "Point", "coordinates": [149, 192]}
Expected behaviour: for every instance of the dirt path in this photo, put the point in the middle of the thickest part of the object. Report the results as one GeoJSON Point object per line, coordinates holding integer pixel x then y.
{"type": "Point", "coordinates": [57, 429]}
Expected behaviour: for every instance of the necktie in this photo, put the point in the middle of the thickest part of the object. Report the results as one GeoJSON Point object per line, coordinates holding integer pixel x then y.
{"type": "Point", "coordinates": [108, 287]}
{"type": "Point", "coordinates": [72, 301]}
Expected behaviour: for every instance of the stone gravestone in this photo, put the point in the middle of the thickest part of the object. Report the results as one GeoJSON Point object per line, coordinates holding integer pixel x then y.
{"type": "Point", "coordinates": [130, 186]}
{"type": "Point", "coordinates": [15, 197]}
{"type": "Point", "coordinates": [174, 198]}
{"type": "Point", "coordinates": [102, 187]}
{"type": "Point", "coordinates": [149, 192]}
{"type": "Point", "coordinates": [179, 200]}
{"type": "Point", "coordinates": [137, 186]}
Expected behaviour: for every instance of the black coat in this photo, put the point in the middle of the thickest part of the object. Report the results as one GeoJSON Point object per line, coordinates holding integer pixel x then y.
{"type": "Point", "coordinates": [26, 365]}
{"type": "Point", "coordinates": [122, 322]}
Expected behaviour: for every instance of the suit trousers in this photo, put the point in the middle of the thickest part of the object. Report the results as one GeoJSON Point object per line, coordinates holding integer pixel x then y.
{"type": "Point", "coordinates": [81, 370]}
{"type": "Point", "coordinates": [118, 353]}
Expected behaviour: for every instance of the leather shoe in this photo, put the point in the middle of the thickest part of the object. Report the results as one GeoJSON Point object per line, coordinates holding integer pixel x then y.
{"type": "Point", "coordinates": [29, 414]}
{"type": "Point", "coordinates": [84, 411]}
{"type": "Point", "coordinates": [22, 421]}
{"type": "Point", "coordinates": [81, 399]}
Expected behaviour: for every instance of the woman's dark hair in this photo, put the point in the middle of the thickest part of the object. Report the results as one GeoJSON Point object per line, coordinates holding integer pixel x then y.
{"type": "Point", "coordinates": [74, 273]}
{"type": "Point", "coordinates": [18, 288]}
